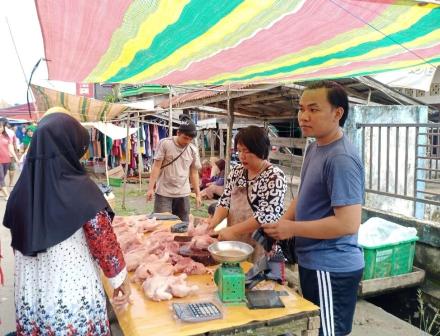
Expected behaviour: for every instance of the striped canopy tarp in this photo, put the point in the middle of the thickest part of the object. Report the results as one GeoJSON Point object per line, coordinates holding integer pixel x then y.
{"type": "Point", "coordinates": [223, 41]}
{"type": "Point", "coordinates": [81, 108]}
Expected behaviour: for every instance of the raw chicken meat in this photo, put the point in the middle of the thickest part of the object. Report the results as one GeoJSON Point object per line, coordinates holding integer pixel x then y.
{"type": "Point", "coordinates": [129, 241]}
{"type": "Point", "coordinates": [197, 229]}
{"type": "Point", "coordinates": [139, 223]}
{"type": "Point", "coordinates": [159, 288]}
{"type": "Point", "coordinates": [190, 267]}
{"type": "Point", "coordinates": [201, 242]}
{"type": "Point", "coordinates": [147, 225]}
{"type": "Point", "coordinates": [140, 255]}
{"type": "Point", "coordinates": [153, 265]}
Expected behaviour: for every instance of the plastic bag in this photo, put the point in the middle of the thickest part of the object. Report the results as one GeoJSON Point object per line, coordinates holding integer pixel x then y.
{"type": "Point", "coordinates": [378, 231]}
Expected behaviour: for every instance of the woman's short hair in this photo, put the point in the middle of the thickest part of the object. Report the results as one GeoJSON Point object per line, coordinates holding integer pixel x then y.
{"type": "Point", "coordinates": [255, 139]}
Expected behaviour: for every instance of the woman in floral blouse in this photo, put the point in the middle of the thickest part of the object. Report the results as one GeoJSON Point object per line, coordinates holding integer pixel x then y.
{"type": "Point", "coordinates": [254, 191]}
{"type": "Point", "coordinates": [61, 232]}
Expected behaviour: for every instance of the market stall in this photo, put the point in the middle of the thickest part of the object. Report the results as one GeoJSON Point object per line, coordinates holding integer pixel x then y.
{"type": "Point", "coordinates": [147, 317]}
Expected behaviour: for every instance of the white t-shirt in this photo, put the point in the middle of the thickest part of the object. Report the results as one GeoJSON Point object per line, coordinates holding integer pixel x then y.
{"type": "Point", "coordinates": [173, 180]}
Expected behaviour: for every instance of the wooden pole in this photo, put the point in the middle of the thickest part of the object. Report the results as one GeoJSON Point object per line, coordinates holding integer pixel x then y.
{"type": "Point", "coordinates": [170, 125]}
{"type": "Point", "coordinates": [105, 149]}
{"type": "Point", "coordinates": [202, 143]}
{"type": "Point", "coordinates": [222, 144]}
{"type": "Point", "coordinates": [230, 121]}
{"type": "Point", "coordinates": [140, 162]}
{"type": "Point", "coordinates": [211, 133]}
{"type": "Point", "coordinates": [127, 153]}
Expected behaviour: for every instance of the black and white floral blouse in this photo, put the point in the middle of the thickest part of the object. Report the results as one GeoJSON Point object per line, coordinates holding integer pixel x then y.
{"type": "Point", "coordinates": [266, 192]}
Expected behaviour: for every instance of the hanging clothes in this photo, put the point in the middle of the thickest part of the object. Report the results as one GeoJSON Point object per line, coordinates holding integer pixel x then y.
{"type": "Point", "coordinates": [148, 151]}
{"type": "Point", "coordinates": [163, 132]}
{"type": "Point", "coordinates": [155, 137]}
{"type": "Point", "coordinates": [141, 142]}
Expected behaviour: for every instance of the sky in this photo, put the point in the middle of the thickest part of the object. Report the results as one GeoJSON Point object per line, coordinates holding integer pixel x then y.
{"type": "Point", "coordinates": [25, 28]}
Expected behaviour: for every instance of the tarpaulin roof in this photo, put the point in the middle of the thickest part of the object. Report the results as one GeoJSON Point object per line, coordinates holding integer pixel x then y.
{"type": "Point", "coordinates": [80, 107]}
{"type": "Point", "coordinates": [218, 42]}
{"type": "Point", "coordinates": [114, 132]}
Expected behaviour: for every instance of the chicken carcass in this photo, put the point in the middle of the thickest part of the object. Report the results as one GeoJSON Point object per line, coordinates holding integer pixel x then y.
{"type": "Point", "coordinates": [129, 241]}
{"type": "Point", "coordinates": [190, 267]}
{"type": "Point", "coordinates": [147, 224]}
{"type": "Point", "coordinates": [201, 242]}
{"type": "Point", "coordinates": [151, 267]}
{"type": "Point", "coordinates": [159, 288]}
{"type": "Point", "coordinates": [197, 227]}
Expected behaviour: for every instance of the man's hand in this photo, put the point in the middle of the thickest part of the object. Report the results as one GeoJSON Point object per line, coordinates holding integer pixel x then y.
{"type": "Point", "coordinates": [280, 230]}
{"type": "Point", "coordinates": [198, 201]}
{"type": "Point", "coordinates": [121, 295]}
{"type": "Point", "coordinates": [150, 194]}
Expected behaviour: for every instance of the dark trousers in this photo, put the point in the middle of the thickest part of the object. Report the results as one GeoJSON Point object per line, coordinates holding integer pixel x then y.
{"type": "Point", "coordinates": [4, 167]}
{"type": "Point", "coordinates": [178, 206]}
{"type": "Point", "coordinates": [335, 294]}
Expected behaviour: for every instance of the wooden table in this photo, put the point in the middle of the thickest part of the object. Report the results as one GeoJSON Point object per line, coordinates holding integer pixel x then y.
{"type": "Point", "coordinates": [146, 317]}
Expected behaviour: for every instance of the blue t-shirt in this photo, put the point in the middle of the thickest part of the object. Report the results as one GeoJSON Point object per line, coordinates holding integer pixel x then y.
{"type": "Point", "coordinates": [332, 176]}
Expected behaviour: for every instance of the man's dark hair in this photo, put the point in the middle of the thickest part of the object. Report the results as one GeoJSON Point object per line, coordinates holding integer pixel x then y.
{"type": "Point", "coordinates": [187, 126]}
{"type": "Point", "coordinates": [255, 139]}
{"type": "Point", "coordinates": [336, 95]}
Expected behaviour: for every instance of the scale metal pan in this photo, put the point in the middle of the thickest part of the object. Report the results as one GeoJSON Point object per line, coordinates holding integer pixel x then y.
{"type": "Point", "coordinates": [230, 251]}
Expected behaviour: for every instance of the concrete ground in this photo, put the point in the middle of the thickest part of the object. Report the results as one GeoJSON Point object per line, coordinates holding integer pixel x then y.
{"type": "Point", "coordinates": [369, 319]}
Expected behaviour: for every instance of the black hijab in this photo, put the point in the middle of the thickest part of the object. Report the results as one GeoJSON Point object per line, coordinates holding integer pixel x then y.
{"type": "Point", "coordinates": [53, 197]}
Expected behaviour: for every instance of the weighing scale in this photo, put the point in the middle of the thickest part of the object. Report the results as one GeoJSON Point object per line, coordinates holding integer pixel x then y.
{"type": "Point", "coordinates": [229, 276]}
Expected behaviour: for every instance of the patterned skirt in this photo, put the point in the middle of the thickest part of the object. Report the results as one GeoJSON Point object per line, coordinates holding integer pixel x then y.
{"type": "Point", "coordinates": [59, 292]}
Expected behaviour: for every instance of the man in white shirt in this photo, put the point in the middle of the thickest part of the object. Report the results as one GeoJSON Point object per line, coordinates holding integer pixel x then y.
{"type": "Point", "coordinates": [176, 164]}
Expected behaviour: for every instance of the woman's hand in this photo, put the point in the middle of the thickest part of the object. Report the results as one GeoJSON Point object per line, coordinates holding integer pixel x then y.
{"type": "Point", "coordinates": [121, 295]}
{"type": "Point", "coordinates": [280, 230]}
{"type": "Point", "coordinates": [227, 233]}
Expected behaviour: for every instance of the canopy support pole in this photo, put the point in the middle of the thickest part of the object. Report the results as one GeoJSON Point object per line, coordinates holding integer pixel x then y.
{"type": "Point", "coordinates": [127, 153]}
{"type": "Point", "coordinates": [222, 144]}
{"type": "Point", "coordinates": [105, 151]}
{"type": "Point", "coordinates": [230, 122]}
{"type": "Point", "coordinates": [202, 142]}
{"type": "Point", "coordinates": [170, 125]}
{"type": "Point", "coordinates": [140, 162]}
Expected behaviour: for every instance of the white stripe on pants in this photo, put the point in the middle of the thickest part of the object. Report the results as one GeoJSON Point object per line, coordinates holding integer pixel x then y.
{"type": "Point", "coordinates": [326, 303]}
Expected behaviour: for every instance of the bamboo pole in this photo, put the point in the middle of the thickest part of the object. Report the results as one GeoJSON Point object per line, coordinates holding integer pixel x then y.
{"type": "Point", "coordinates": [140, 163]}
{"type": "Point", "coordinates": [222, 144]}
{"type": "Point", "coordinates": [105, 149]}
{"type": "Point", "coordinates": [170, 126]}
{"type": "Point", "coordinates": [212, 139]}
{"type": "Point", "coordinates": [230, 121]}
{"type": "Point", "coordinates": [126, 163]}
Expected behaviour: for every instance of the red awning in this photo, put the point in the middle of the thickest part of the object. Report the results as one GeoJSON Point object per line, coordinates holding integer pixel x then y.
{"type": "Point", "coordinates": [19, 112]}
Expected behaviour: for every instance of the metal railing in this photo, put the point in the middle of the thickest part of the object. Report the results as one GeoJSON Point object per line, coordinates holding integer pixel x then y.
{"type": "Point", "coordinates": [402, 161]}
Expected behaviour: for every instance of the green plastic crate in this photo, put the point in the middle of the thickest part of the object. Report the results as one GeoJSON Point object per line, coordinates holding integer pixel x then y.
{"type": "Point", "coordinates": [115, 181]}
{"type": "Point", "coordinates": [389, 259]}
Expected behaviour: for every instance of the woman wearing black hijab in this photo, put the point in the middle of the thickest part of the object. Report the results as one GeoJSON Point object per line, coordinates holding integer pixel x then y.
{"type": "Point", "coordinates": [60, 225]}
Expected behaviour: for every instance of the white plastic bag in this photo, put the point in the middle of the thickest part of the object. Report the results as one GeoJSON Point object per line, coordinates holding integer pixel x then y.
{"type": "Point", "coordinates": [378, 231]}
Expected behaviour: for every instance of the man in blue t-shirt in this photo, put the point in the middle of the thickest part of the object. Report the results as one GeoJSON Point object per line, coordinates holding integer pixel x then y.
{"type": "Point", "coordinates": [325, 216]}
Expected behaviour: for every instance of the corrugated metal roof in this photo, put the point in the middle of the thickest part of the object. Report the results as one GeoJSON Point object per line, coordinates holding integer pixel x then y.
{"type": "Point", "coordinates": [19, 112]}
{"type": "Point", "coordinates": [202, 94]}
